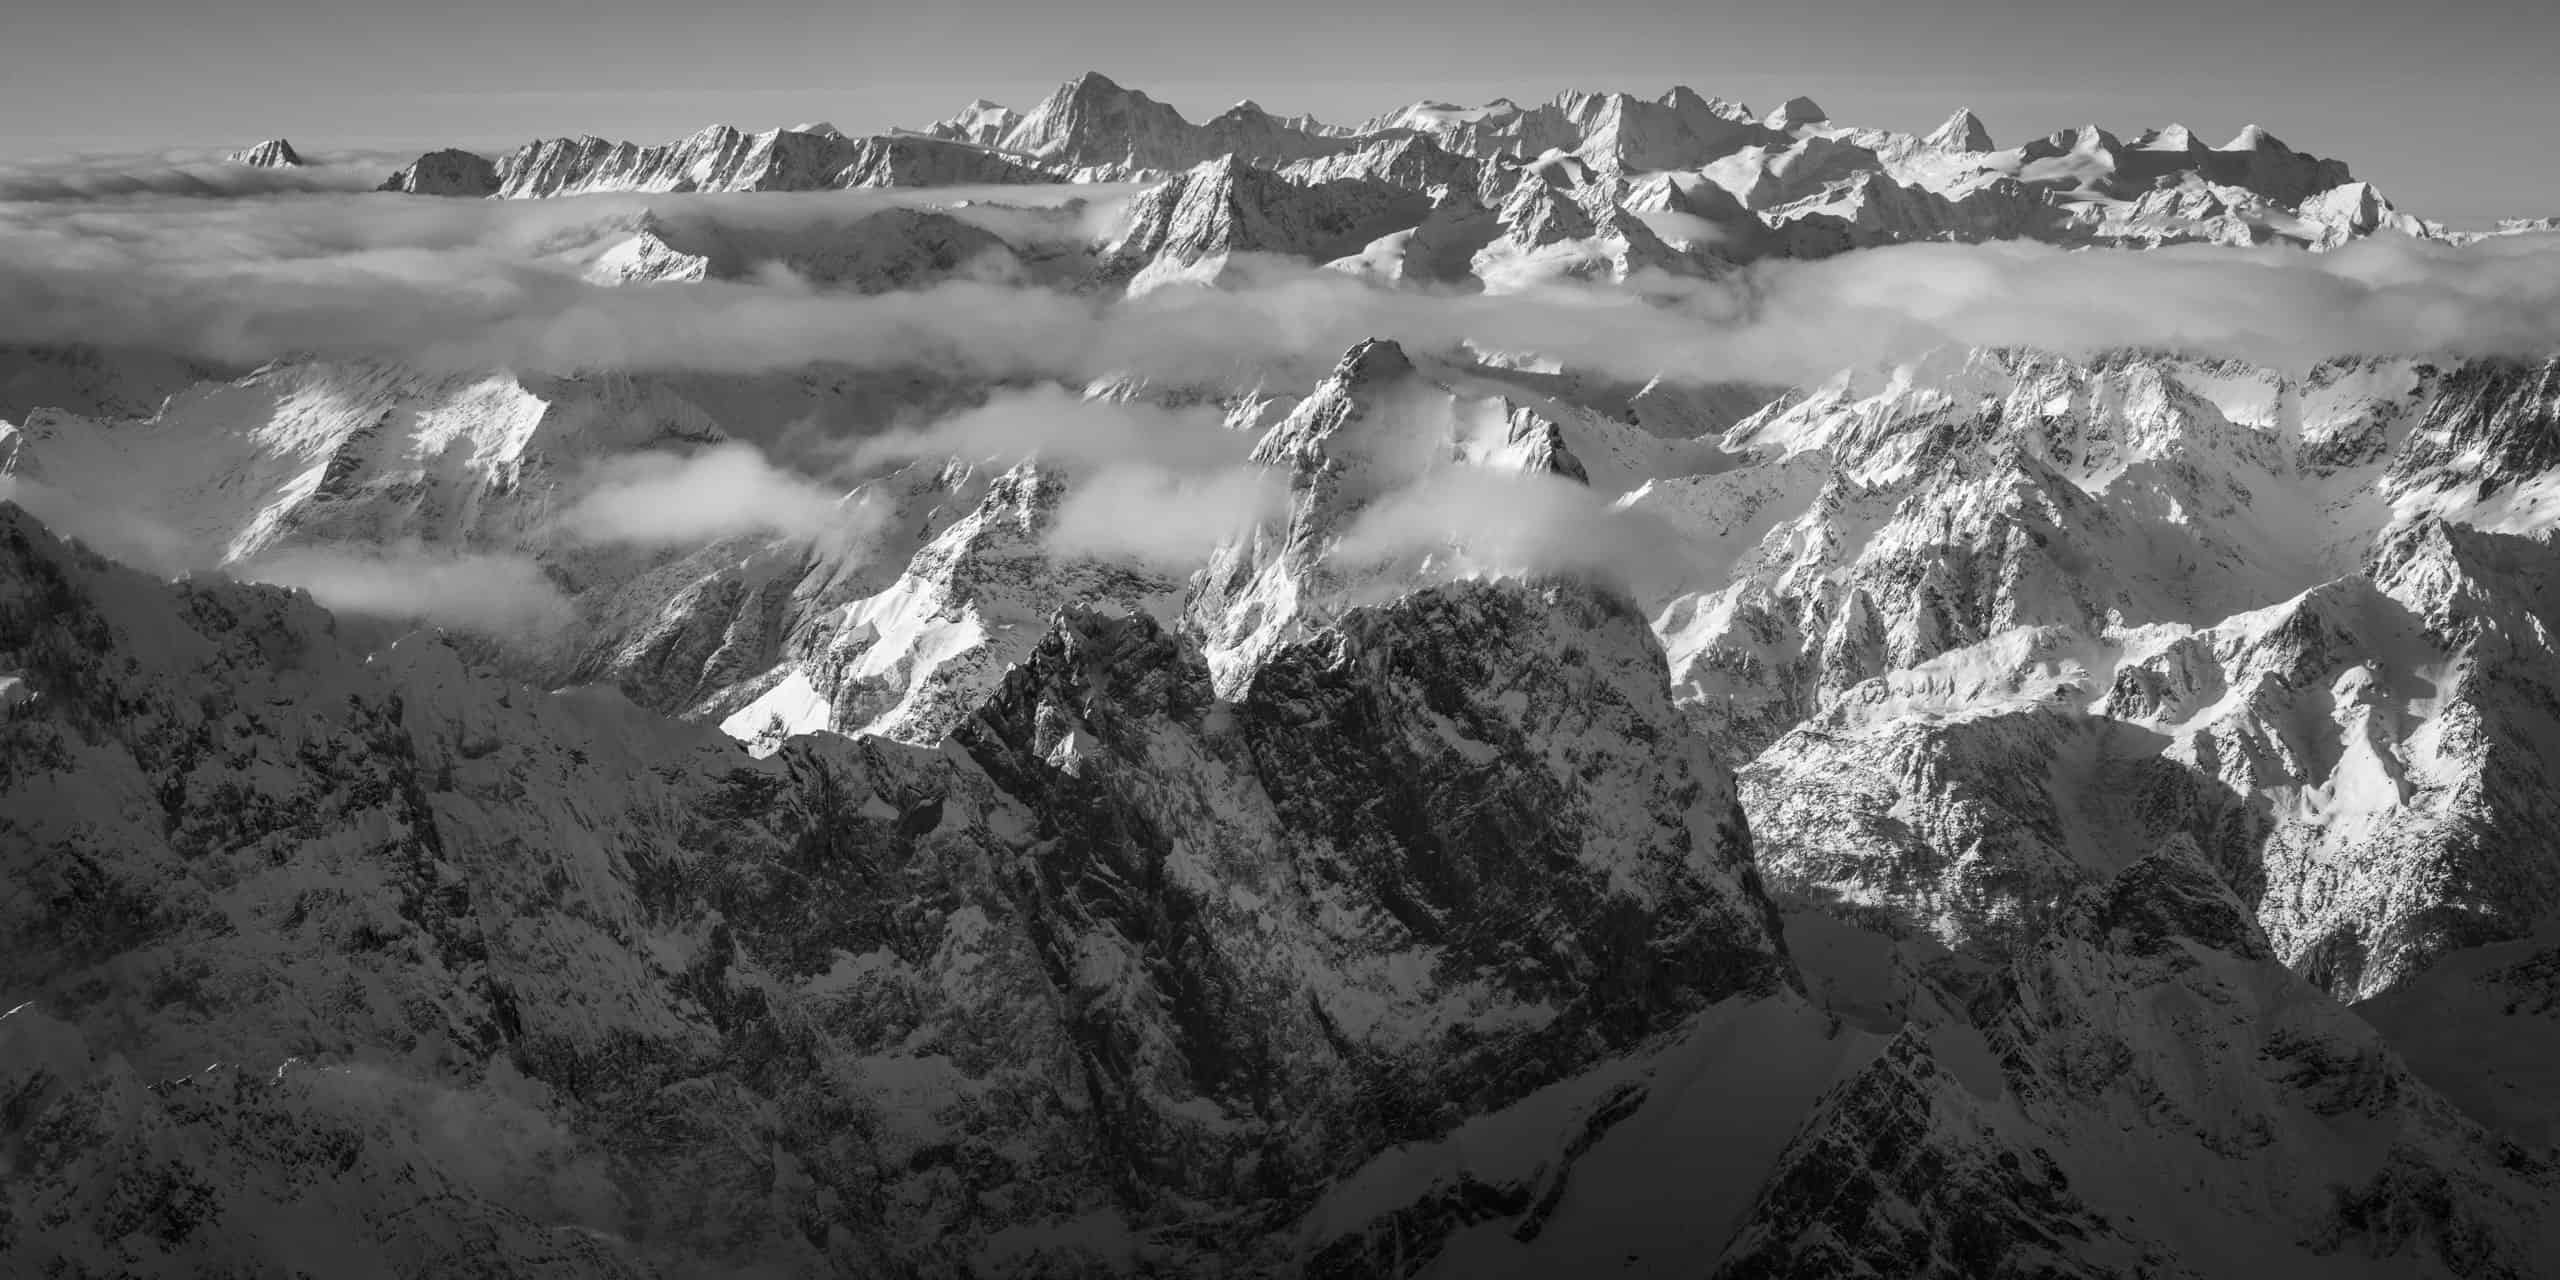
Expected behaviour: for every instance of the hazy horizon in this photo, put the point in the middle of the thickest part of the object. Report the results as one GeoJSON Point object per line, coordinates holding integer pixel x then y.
{"type": "Point", "coordinates": [2371, 89]}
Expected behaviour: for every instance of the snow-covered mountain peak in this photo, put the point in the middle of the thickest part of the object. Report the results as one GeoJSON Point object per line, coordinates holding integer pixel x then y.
{"type": "Point", "coordinates": [2255, 138]}
{"type": "Point", "coordinates": [1682, 98]}
{"type": "Point", "coordinates": [2172, 137]}
{"type": "Point", "coordinates": [1796, 113]}
{"type": "Point", "coordinates": [1963, 132]}
{"type": "Point", "coordinates": [274, 153]}
{"type": "Point", "coordinates": [1091, 120]}
{"type": "Point", "coordinates": [1361, 386]}
{"type": "Point", "coordinates": [981, 123]}
{"type": "Point", "coordinates": [450, 172]}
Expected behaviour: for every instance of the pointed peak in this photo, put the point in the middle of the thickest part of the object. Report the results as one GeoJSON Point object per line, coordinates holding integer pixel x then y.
{"type": "Point", "coordinates": [2088, 137]}
{"type": "Point", "coordinates": [2175, 137]}
{"type": "Point", "coordinates": [1224, 168]}
{"type": "Point", "coordinates": [2254, 138]}
{"type": "Point", "coordinates": [1963, 131]}
{"type": "Point", "coordinates": [1093, 82]}
{"type": "Point", "coordinates": [1796, 113]}
{"type": "Point", "coordinates": [1372, 361]}
{"type": "Point", "coordinates": [274, 153]}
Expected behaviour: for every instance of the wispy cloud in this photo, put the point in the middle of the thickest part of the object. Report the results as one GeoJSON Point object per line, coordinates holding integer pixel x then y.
{"type": "Point", "coordinates": [496, 594]}
{"type": "Point", "coordinates": [1136, 510]}
{"type": "Point", "coordinates": [725, 491]}
{"type": "Point", "coordinates": [1474, 520]}
{"type": "Point", "coordinates": [1057, 426]}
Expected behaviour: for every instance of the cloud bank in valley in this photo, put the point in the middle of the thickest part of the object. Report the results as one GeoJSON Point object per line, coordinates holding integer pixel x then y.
{"type": "Point", "coordinates": [660, 499]}
{"type": "Point", "coordinates": [1479, 520]}
{"type": "Point", "coordinates": [187, 174]}
{"type": "Point", "coordinates": [1163, 517]}
{"type": "Point", "coordinates": [496, 594]}
{"type": "Point", "coordinates": [1062, 428]}
{"type": "Point", "coordinates": [479, 284]}
{"type": "Point", "coordinates": [504, 594]}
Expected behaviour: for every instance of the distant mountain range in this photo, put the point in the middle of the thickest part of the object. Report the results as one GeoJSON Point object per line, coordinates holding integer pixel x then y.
{"type": "Point", "coordinates": [1791, 182]}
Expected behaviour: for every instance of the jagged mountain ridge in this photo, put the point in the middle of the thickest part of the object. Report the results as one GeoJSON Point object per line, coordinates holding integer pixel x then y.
{"type": "Point", "coordinates": [1821, 186]}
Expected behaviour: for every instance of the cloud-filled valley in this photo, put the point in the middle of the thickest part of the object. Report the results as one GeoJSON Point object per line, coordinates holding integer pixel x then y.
{"type": "Point", "coordinates": [471, 285]}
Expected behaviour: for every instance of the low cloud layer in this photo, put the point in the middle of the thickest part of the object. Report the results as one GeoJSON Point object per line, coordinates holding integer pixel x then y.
{"type": "Point", "coordinates": [480, 284]}
{"type": "Point", "coordinates": [224, 268]}
{"type": "Point", "coordinates": [1475, 520]}
{"type": "Point", "coordinates": [667, 499]}
{"type": "Point", "coordinates": [1057, 426]}
{"type": "Point", "coordinates": [1161, 517]}
{"type": "Point", "coordinates": [498, 595]}
{"type": "Point", "coordinates": [106, 529]}
{"type": "Point", "coordinates": [187, 175]}
{"type": "Point", "coordinates": [501, 595]}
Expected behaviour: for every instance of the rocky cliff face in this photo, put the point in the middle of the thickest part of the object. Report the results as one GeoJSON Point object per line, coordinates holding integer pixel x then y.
{"type": "Point", "coordinates": [448, 172]}
{"type": "Point", "coordinates": [1145, 965]}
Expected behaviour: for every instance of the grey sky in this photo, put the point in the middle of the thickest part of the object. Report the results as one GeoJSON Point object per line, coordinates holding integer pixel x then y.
{"type": "Point", "coordinates": [2443, 105]}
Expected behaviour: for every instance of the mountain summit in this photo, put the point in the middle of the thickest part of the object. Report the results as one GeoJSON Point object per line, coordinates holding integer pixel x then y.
{"type": "Point", "coordinates": [274, 153]}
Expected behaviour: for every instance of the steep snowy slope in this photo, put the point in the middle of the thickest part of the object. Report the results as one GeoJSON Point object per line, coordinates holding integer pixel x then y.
{"type": "Point", "coordinates": [2002, 625]}
{"type": "Point", "coordinates": [885, 251]}
{"type": "Point", "coordinates": [1187, 229]}
{"type": "Point", "coordinates": [460, 498]}
{"type": "Point", "coordinates": [1375, 427]}
{"type": "Point", "coordinates": [378, 454]}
